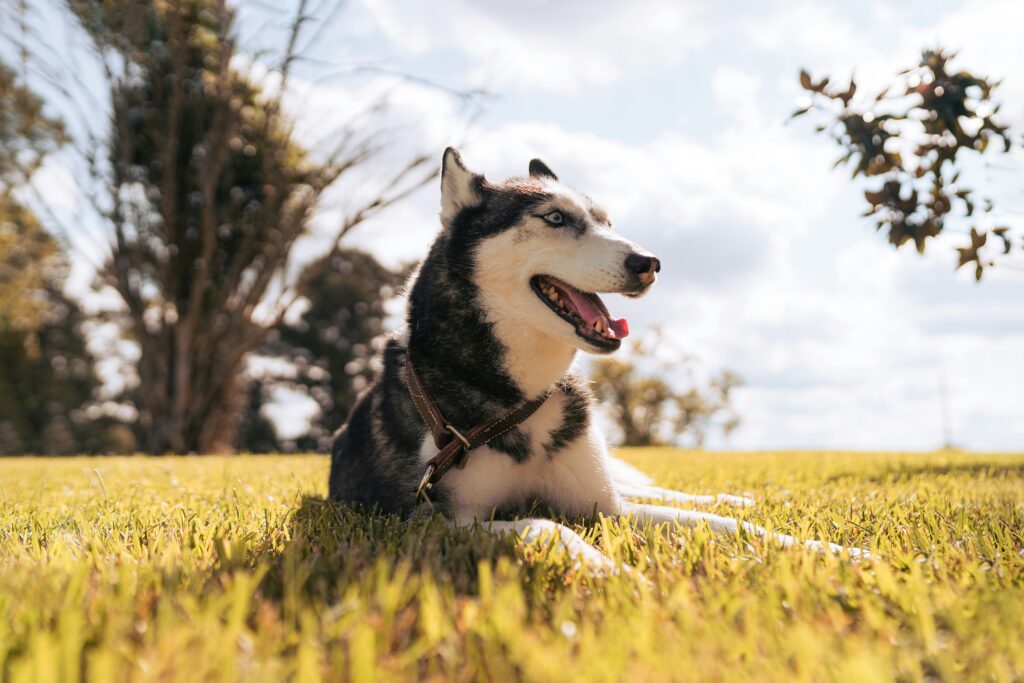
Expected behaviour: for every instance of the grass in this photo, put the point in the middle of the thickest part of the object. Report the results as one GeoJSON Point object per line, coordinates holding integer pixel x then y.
{"type": "Point", "coordinates": [236, 569]}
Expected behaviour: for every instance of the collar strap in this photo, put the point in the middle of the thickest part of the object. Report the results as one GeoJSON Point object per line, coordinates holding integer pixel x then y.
{"type": "Point", "coordinates": [455, 445]}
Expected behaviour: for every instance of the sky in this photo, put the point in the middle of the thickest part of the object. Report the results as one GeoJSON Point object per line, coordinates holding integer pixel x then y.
{"type": "Point", "coordinates": [673, 116]}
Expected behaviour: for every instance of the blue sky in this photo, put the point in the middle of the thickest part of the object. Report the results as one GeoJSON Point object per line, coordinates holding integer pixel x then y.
{"type": "Point", "coordinates": [673, 116]}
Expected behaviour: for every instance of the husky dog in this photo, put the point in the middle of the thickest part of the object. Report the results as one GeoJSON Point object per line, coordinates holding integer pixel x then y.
{"type": "Point", "coordinates": [496, 313]}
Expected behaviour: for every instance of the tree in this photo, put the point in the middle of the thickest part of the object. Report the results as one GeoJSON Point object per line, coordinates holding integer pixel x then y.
{"type": "Point", "coordinates": [256, 433]}
{"type": "Point", "coordinates": [48, 381]}
{"type": "Point", "coordinates": [47, 377]}
{"type": "Point", "coordinates": [697, 411]}
{"type": "Point", "coordinates": [206, 192]}
{"type": "Point", "coordinates": [648, 411]}
{"type": "Point", "coordinates": [329, 348]}
{"type": "Point", "coordinates": [27, 134]}
{"type": "Point", "coordinates": [914, 144]}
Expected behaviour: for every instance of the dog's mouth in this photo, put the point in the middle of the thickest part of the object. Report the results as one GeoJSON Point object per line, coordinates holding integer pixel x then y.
{"type": "Point", "coordinates": [583, 310]}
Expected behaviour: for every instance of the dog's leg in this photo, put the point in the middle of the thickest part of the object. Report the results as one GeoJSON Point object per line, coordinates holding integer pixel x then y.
{"type": "Point", "coordinates": [632, 483]}
{"type": "Point", "coordinates": [635, 491]}
{"type": "Point", "coordinates": [660, 514]}
{"type": "Point", "coordinates": [534, 529]}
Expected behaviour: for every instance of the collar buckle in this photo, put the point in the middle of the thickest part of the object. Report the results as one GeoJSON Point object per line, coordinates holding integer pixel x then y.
{"type": "Point", "coordinates": [458, 435]}
{"type": "Point", "coordinates": [425, 481]}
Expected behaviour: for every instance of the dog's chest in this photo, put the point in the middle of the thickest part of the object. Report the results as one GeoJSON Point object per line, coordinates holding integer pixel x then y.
{"type": "Point", "coordinates": [562, 466]}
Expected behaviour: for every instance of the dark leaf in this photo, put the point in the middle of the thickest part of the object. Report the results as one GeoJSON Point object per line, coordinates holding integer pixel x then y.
{"type": "Point", "coordinates": [1000, 232]}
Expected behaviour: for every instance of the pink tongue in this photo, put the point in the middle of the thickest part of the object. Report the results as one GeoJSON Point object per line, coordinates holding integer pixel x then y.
{"type": "Point", "coordinates": [590, 313]}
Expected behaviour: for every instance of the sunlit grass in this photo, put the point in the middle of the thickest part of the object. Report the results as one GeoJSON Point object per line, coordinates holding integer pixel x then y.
{"type": "Point", "coordinates": [236, 569]}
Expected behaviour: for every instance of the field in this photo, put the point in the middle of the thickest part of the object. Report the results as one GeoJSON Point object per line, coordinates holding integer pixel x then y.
{"type": "Point", "coordinates": [209, 569]}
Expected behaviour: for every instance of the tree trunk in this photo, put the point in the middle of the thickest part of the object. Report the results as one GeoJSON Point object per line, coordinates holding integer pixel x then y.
{"type": "Point", "coordinates": [193, 406]}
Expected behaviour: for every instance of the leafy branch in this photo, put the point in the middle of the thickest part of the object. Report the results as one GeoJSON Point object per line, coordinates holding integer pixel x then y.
{"type": "Point", "coordinates": [913, 137]}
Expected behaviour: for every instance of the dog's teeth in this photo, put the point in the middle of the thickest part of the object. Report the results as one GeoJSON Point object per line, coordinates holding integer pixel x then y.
{"type": "Point", "coordinates": [599, 325]}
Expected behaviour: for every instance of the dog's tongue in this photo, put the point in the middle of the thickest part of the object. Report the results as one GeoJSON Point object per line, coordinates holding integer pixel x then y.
{"type": "Point", "coordinates": [619, 327]}
{"type": "Point", "coordinates": [590, 313]}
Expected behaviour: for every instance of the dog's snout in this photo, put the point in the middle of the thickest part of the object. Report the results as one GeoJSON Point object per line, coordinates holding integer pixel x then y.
{"type": "Point", "coordinates": [642, 264]}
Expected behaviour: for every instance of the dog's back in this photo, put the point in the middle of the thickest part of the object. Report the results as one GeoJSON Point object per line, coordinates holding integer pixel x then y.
{"type": "Point", "coordinates": [374, 461]}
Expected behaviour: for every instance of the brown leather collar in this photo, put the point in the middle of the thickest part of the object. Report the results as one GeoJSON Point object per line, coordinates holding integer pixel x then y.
{"type": "Point", "coordinates": [454, 444]}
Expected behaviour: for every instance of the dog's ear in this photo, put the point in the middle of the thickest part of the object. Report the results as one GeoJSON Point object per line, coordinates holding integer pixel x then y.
{"type": "Point", "coordinates": [460, 187]}
{"type": "Point", "coordinates": [538, 169]}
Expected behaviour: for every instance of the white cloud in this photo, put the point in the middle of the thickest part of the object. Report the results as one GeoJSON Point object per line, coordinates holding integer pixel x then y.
{"type": "Point", "coordinates": [736, 93]}
{"type": "Point", "coordinates": [803, 27]}
{"type": "Point", "coordinates": [548, 45]}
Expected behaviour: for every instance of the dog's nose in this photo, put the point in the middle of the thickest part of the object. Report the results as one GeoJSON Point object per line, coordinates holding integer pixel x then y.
{"type": "Point", "coordinates": [641, 264]}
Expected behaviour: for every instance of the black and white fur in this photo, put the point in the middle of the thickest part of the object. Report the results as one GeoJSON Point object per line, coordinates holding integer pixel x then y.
{"type": "Point", "coordinates": [483, 341]}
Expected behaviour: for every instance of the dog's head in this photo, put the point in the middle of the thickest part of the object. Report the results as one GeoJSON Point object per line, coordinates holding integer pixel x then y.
{"type": "Point", "coordinates": [542, 253]}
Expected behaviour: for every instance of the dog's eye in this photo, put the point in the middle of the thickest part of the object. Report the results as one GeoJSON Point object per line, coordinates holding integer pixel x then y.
{"type": "Point", "coordinates": [554, 218]}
